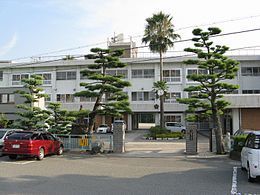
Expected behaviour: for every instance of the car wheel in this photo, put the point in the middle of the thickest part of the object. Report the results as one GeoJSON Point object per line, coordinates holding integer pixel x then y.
{"type": "Point", "coordinates": [183, 131]}
{"type": "Point", "coordinates": [13, 156]}
{"type": "Point", "coordinates": [242, 168]}
{"type": "Point", "coordinates": [41, 154]}
{"type": "Point", "coordinates": [60, 151]}
{"type": "Point", "coordinates": [249, 178]}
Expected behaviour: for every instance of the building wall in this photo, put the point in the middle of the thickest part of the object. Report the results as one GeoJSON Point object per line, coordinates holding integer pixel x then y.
{"type": "Point", "coordinates": [250, 118]}
{"type": "Point", "coordinates": [138, 84]}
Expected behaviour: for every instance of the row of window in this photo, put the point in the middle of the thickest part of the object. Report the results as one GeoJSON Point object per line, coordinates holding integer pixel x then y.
{"type": "Point", "coordinates": [173, 75]}
{"type": "Point", "coordinates": [168, 75]}
{"type": "Point", "coordinates": [136, 96]}
{"type": "Point", "coordinates": [6, 98]}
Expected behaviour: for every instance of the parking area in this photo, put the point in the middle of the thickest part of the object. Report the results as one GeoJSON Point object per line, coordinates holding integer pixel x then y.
{"type": "Point", "coordinates": [147, 167]}
{"type": "Point", "coordinates": [81, 173]}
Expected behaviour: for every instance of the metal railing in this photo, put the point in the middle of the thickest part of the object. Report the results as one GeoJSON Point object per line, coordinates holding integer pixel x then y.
{"type": "Point", "coordinates": [86, 142]}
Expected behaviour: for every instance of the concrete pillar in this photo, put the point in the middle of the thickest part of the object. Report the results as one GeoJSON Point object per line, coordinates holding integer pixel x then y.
{"type": "Point", "coordinates": [129, 122]}
{"type": "Point", "coordinates": [118, 138]}
{"type": "Point", "coordinates": [235, 120]}
{"type": "Point", "coordinates": [191, 139]}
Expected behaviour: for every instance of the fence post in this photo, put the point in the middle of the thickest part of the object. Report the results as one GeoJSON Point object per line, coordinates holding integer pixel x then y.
{"type": "Point", "coordinates": [191, 139]}
{"type": "Point", "coordinates": [110, 142]}
{"type": "Point", "coordinates": [69, 142]}
{"type": "Point", "coordinates": [119, 139]}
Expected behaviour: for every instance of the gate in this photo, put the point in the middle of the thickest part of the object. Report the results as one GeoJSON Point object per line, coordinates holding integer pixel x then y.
{"type": "Point", "coordinates": [86, 142]}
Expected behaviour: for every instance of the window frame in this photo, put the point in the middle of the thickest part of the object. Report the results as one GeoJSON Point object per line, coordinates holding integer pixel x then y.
{"type": "Point", "coordinates": [173, 78]}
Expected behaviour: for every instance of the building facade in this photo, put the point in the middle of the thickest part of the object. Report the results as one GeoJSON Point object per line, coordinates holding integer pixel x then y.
{"type": "Point", "coordinates": [62, 79]}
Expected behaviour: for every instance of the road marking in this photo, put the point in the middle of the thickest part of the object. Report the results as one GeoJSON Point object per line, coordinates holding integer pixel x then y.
{"type": "Point", "coordinates": [234, 182]}
{"type": "Point", "coordinates": [17, 162]}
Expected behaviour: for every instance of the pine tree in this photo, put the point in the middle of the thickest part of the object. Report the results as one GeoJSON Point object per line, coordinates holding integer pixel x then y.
{"type": "Point", "coordinates": [32, 117]}
{"type": "Point", "coordinates": [215, 70]}
{"type": "Point", "coordinates": [59, 121]}
{"type": "Point", "coordinates": [110, 100]}
{"type": "Point", "coordinates": [3, 121]}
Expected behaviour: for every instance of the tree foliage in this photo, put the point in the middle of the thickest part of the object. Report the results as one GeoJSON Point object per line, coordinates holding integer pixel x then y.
{"type": "Point", "coordinates": [60, 121]}
{"type": "Point", "coordinates": [110, 100]}
{"type": "Point", "coordinates": [215, 70]}
{"type": "Point", "coordinates": [32, 117]}
{"type": "Point", "coordinates": [3, 121]}
{"type": "Point", "coordinates": [159, 34]}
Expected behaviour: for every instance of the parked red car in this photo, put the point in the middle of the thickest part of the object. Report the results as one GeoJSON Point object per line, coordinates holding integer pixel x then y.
{"type": "Point", "coordinates": [32, 143]}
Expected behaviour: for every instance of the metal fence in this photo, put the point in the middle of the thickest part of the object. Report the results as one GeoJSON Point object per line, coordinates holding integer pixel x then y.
{"type": "Point", "coordinates": [86, 142]}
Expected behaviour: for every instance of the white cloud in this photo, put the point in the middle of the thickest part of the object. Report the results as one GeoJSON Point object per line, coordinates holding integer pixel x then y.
{"type": "Point", "coordinates": [9, 45]}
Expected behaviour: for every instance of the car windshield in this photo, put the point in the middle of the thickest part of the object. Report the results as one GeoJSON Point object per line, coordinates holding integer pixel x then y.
{"type": "Point", "coordinates": [102, 125]}
{"type": "Point", "coordinates": [2, 133]}
{"type": "Point", "coordinates": [20, 136]}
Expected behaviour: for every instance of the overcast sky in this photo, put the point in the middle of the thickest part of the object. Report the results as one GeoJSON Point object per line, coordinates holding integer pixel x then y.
{"type": "Point", "coordinates": [31, 27]}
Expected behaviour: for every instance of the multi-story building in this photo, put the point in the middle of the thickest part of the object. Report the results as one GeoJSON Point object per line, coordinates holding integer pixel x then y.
{"type": "Point", "coordinates": [62, 79]}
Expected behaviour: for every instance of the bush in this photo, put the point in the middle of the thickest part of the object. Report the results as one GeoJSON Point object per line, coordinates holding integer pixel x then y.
{"type": "Point", "coordinates": [239, 142]}
{"type": "Point", "coordinates": [158, 132]}
{"type": "Point", "coordinates": [179, 135]}
{"type": "Point", "coordinates": [154, 131]}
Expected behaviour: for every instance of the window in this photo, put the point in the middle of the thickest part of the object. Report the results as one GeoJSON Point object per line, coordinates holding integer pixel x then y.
{"type": "Point", "coordinates": [172, 118]}
{"type": "Point", "coordinates": [82, 77]}
{"type": "Point", "coordinates": [123, 73]}
{"type": "Point", "coordinates": [172, 75]}
{"type": "Point", "coordinates": [172, 97]}
{"type": "Point", "coordinates": [17, 78]}
{"type": "Point", "coordinates": [146, 73]}
{"type": "Point", "coordinates": [66, 75]}
{"type": "Point", "coordinates": [65, 98]}
{"type": "Point", "coordinates": [195, 71]}
{"type": "Point", "coordinates": [252, 91]}
{"type": "Point", "coordinates": [46, 78]}
{"type": "Point", "coordinates": [143, 96]}
{"type": "Point", "coordinates": [250, 141]}
{"type": "Point", "coordinates": [1, 75]}
{"type": "Point", "coordinates": [250, 71]}
{"type": "Point", "coordinates": [6, 98]}
{"type": "Point", "coordinates": [71, 75]}
{"type": "Point", "coordinates": [89, 99]}
{"type": "Point", "coordinates": [48, 99]}
{"type": "Point", "coordinates": [193, 94]}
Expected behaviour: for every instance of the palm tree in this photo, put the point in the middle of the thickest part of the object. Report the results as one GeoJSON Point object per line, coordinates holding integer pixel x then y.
{"type": "Point", "coordinates": [159, 34]}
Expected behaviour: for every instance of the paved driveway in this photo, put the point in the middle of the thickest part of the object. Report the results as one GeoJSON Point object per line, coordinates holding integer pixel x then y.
{"type": "Point", "coordinates": [136, 144]}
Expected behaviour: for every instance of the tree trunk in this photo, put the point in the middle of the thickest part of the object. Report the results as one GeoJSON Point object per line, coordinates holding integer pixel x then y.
{"type": "Point", "coordinates": [91, 125]}
{"type": "Point", "coordinates": [218, 132]}
{"type": "Point", "coordinates": [162, 96]}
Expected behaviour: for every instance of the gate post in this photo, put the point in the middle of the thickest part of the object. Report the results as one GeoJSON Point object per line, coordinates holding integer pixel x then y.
{"type": "Point", "coordinates": [118, 138]}
{"type": "Point", "coordinates": [191, 139]}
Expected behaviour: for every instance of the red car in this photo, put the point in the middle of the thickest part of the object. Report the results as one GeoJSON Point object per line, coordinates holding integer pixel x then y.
{"type": "Point", "coordinates": [32, 143]}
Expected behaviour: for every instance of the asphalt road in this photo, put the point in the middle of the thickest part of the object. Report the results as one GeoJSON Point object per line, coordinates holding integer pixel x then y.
{"type": "Point", "coordinates": [111, 174]}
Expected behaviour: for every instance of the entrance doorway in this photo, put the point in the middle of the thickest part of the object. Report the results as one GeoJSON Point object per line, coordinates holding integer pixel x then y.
{"type": "Point", "coordinates": [143, 120]}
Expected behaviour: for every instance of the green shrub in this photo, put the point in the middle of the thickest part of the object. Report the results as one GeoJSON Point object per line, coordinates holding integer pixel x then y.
{"type": "Point", "coordinates": [171, 135]}
{"type": "Point", "coordinates": [239, 142]}
{"type": "Point", "coordinates": [158, 132]}
{"type": "Point", "coordinates": [154, 131]}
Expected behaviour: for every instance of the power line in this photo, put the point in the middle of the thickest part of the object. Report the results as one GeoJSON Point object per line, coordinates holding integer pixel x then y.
{"type": "Point", "coordinates": [135, 61]}
{"type": "Point", "coordinates": [180, 41]}
{"type": "Point", "coordinates": [136, 36]}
